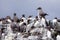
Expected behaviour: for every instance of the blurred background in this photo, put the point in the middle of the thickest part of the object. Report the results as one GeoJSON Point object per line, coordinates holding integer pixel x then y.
{"type": "Point", "coordinates": [28, 7]}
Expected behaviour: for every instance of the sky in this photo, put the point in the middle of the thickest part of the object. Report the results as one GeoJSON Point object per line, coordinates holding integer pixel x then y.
{"type": "Point", "coordinates": [28, 7]}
